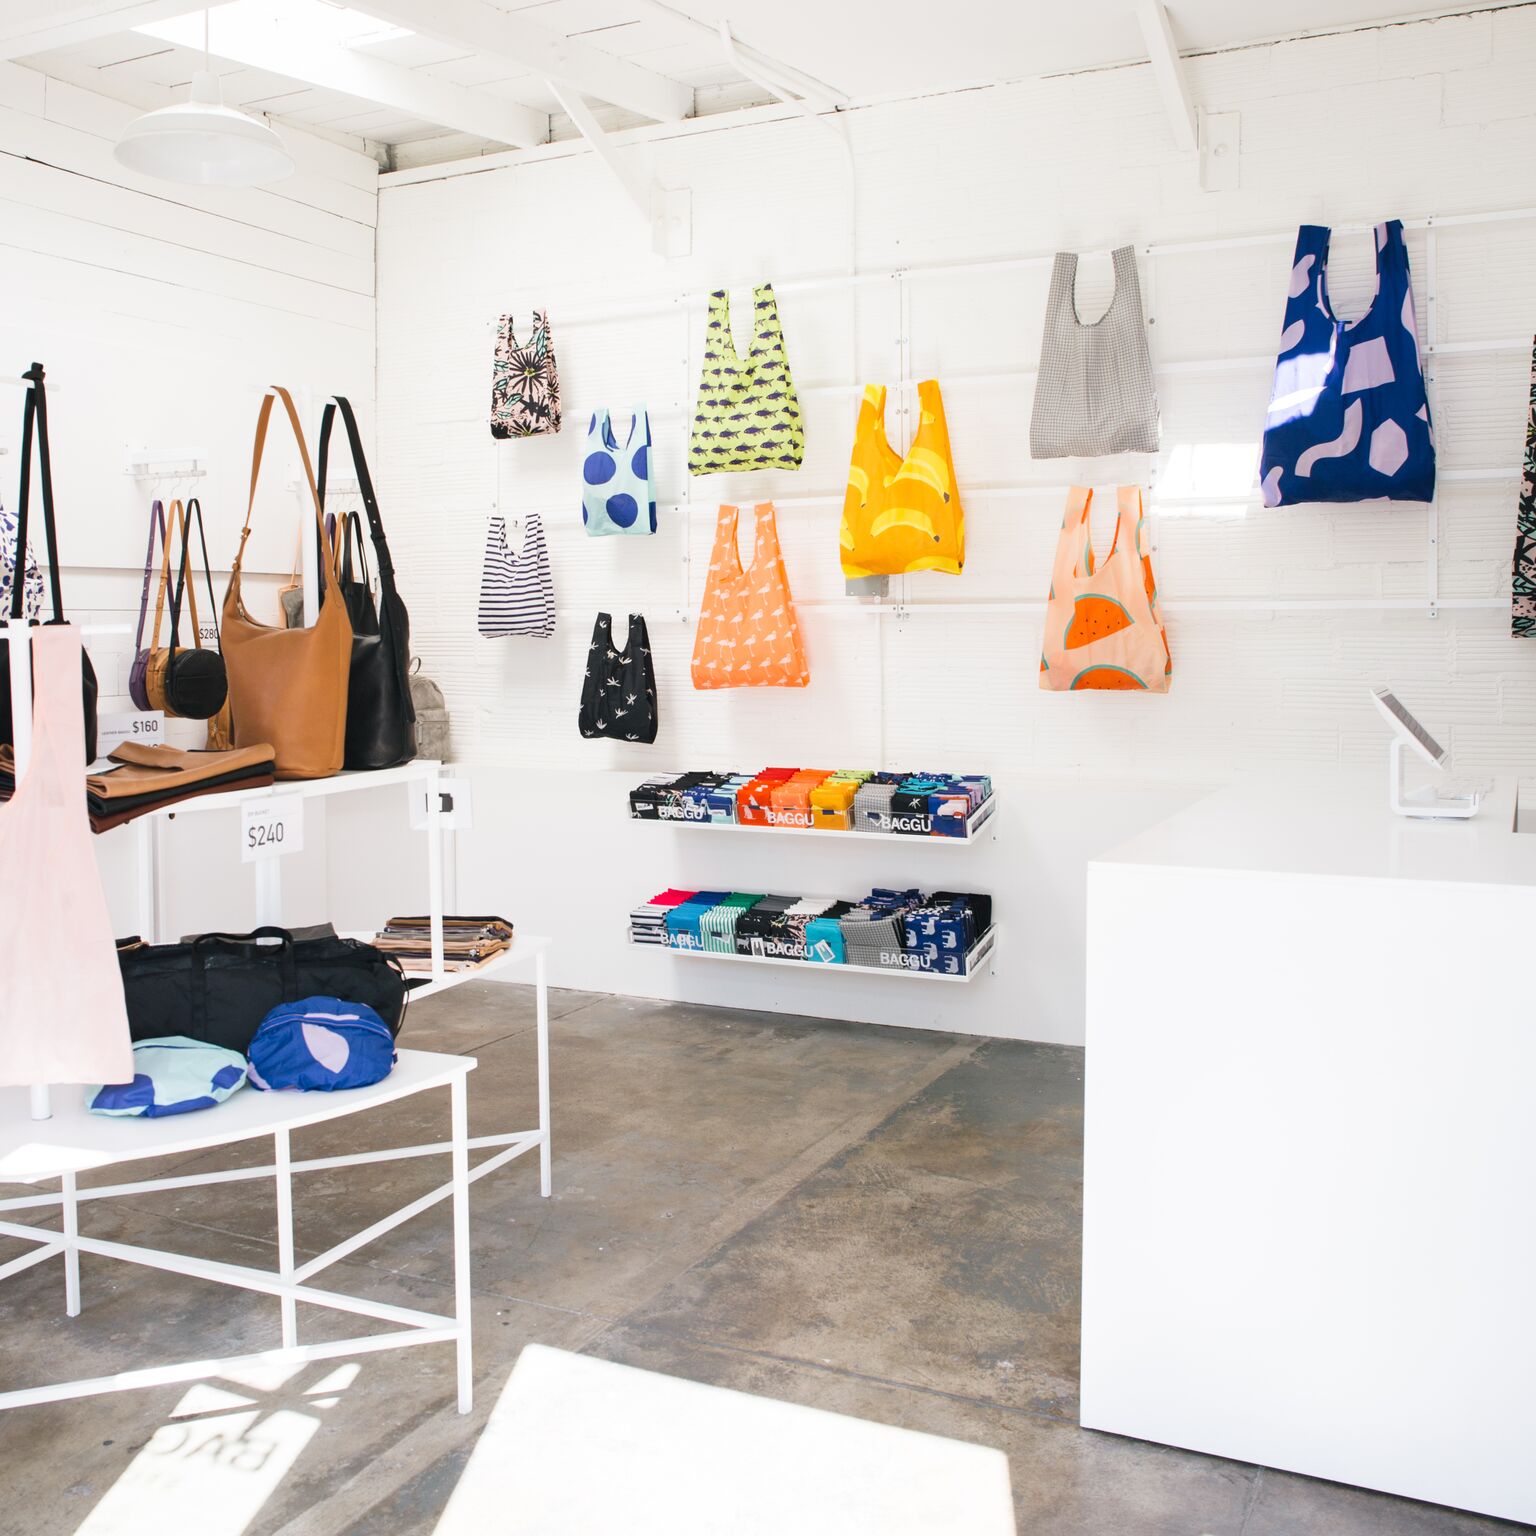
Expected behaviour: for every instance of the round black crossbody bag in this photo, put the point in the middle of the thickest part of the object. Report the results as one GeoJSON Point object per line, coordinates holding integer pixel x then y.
{"type": "Point", "coordinates": [196, 685]}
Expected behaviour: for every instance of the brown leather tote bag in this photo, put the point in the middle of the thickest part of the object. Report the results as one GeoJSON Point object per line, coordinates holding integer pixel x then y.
{"type": "Point", "coordinates": [289, 686]}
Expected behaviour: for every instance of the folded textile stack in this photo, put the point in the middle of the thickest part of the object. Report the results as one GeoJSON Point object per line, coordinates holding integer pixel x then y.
{"type": "Point", "coordinates": [892, 930]}
{"type": "Point", "coordinates": [143, 779]}
{"type": "Point", "coordinates": [833, 800]}
{"type": "Point", "coordinates": [468, 942]}
{"type": "Point", "coordinates": [648, 922]}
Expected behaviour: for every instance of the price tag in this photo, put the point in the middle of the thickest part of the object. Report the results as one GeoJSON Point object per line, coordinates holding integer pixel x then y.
{"type": "Point", "coordinates": [112, 730]}
{"type": "Point", "coordinates": [455, 805]}
{"type": "Point", "coordinates": [271, 828]}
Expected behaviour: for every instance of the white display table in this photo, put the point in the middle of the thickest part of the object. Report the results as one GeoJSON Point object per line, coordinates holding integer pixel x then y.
{"type": "Point", "coordinates": [73, 1141]}
{"type": "Point", "coordinates": [584, 1447]}
{"type": "Point", "coordinates": [1310, 1165]}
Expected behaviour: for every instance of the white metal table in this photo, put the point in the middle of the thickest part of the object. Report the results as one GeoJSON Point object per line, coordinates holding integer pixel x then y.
{"type": "Point", "coordinates": [73, 1142]}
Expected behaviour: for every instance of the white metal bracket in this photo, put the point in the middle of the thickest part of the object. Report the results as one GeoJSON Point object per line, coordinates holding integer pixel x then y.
{"type": "Point", "coordinates": [1211, 137]}
{"type": "Point", "coordinates": [1220, 146]}
{"type": "Point", "coordinates": [668, 210]}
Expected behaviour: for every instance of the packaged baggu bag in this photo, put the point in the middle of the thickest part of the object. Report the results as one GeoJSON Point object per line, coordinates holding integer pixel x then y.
{"type": "Point", "coordinates": [320, 1044]}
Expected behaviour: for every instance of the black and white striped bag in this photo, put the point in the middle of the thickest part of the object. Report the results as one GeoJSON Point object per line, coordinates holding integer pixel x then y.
{"type": "Point", "coordinates": [517, 592]}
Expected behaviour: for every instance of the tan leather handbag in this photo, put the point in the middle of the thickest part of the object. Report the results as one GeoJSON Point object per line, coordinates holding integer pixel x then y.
{"type": "Point", "coordinates": [289, 686]}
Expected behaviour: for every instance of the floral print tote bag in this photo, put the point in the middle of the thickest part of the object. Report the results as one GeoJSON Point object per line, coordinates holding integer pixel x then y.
{"type": "Point", "coordinates": [525, 386]}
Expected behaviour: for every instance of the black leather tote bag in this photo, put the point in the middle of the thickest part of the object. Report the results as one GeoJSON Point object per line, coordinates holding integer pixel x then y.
{"type": "Point", "coordinates": [34, 419]}
{"type": "Point", "coordinates": [381, 721]}
{"type": "Point", "coordinates": [220, 986]}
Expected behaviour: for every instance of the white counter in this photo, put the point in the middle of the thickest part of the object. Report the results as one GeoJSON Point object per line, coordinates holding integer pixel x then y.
{"type": "Point", "coordinates": [1310, 1164]}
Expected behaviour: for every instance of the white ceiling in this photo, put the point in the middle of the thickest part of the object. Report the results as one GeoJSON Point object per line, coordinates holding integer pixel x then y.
{"type": "Point", "coordinates": [861, 48]}
{"type": "Point", "coordinates": [886, 47]}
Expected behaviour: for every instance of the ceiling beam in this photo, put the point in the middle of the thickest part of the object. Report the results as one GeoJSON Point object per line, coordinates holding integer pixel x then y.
{"type": "Point", "coordinates": [35, 26]}
{"type": "Point", "coordinates": [1168, 71]}
{"type": "Point", "coordinates": [635, 187]}
{"type": "Point", "coordinates": [508, 35]}
{"type": "Point", "coordinates": [262, 40]}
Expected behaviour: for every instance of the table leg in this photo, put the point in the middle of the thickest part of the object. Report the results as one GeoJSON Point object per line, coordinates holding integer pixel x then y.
{"type": "Point", "coordinates": [435, 873]}
{"type": "Point", "coordinates": [284, 1182]}
{"type": "Point", "coordinates": [461, 1287]}
{"type": "Point", "coordinates": [541, 1002]}
{"type": "Point", "coordinates": [269, 892]}
{"type": "Point", "coordinates": [148, 876]}
{"type": "Point", "coordinates": [71, 1213]}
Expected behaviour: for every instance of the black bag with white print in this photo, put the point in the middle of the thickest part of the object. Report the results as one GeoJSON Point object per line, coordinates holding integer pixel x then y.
{"type": "Point", "coordinates": [618, 692]}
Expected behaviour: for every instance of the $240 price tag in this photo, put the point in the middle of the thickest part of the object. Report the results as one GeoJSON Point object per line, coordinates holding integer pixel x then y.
{"type": "Point", "coordinates": [271, 828]}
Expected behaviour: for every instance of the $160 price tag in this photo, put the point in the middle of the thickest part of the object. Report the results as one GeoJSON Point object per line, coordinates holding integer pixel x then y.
{"type": "Point", "coordinates": [271, 828]}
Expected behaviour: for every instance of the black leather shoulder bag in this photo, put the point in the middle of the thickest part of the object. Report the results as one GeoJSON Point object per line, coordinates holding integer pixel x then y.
{"type": "Point", "coordinates": [381, 720]}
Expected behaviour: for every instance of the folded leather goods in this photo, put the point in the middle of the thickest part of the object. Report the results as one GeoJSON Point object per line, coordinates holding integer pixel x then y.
{"type": "Point", "coordinates": [147, 779]}
{"type": "Point", "coordinates": [219, 987]}
{"type": "Point", "coordinates": [106, 814]}
{"type": "Point", "coordinates": [468, 942]}
{"type": "Point", "coordinates": [141, 769]}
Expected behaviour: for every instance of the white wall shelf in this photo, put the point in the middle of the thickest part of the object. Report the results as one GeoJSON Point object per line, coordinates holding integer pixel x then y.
{"type": "Point", "coordinates": [974, 823]}
{"type": "Point", "coordinates": [980, 958]}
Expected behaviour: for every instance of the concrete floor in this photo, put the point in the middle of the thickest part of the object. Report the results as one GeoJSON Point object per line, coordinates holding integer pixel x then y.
{"type": "Point", "coordinates": [876, 1221]}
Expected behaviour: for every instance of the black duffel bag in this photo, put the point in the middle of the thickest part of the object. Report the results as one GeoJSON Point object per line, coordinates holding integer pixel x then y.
{"type": "Point", "coordinates": [219, 986]}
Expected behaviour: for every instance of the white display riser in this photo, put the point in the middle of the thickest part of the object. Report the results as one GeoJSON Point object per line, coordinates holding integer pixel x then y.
{"type": "Point", "coordinates": [1308, 1141]}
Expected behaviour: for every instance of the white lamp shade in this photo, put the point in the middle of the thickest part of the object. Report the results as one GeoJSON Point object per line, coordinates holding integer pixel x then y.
{"type": "Point", "coordinates": [204, 142]}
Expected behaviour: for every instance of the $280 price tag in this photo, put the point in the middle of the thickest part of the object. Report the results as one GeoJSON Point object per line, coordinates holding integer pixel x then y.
{"type": "Point", "coordinates": [271, 828]}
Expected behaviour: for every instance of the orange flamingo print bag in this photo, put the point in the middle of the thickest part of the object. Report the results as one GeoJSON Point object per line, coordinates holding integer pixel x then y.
{"type": "Point", "coordinates": [748, 634]}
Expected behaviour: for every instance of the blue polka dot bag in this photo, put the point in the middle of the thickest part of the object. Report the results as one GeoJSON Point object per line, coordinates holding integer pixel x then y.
{"type": "Point", "coordinates": [618, 494]}
{"type": "Point", "coordinates": [172, 1075]}
{"type": "Point", "coordinates": [320, 1044]}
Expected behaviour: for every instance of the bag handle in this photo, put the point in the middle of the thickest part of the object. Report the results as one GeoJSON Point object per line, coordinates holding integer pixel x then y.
{"type": "Point", "coordinates": [176, 521]}
{"type": "Point", "coordinates": [244, 940]}
{"type": "Point", "coordinates": [390, 607]}
{"type": "Point", "coordinates": [258, 448]}
{"type": "Point", "coordinates": [352, 530]}
{"type": "Point", "coordinates": [195, 507]}
{"type": "Point", "coordinates": [194, 513]}
{"type": "Point", "coordinates": [205, 942]}
{"type": "Point", "coordinates": [34, 417]}
{"type": "Point", "coordinates": [156, 521]}
{"type": "Point", "coordinates": [364, 478]}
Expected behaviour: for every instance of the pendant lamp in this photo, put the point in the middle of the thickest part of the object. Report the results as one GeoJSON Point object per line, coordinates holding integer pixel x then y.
{"type": "Point", "coordinates": [204, 142]}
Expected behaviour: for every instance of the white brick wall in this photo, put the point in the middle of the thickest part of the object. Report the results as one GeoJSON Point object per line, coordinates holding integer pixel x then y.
{"type": "Point", "coordinates": [1410, 121]}
{"type": "Point", "coordinates": [161, 313]}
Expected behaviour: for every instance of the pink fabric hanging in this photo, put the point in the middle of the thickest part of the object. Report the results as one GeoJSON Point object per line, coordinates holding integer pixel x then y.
{"type": "Point", "coordinates": [62, 1014]}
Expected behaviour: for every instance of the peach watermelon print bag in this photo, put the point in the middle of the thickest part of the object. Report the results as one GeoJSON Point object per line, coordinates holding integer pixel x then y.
{"type": "Point", "coordinates": [1102, 628]}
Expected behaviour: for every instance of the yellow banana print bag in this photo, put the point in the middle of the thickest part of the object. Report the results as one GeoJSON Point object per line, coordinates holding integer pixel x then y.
{"type": "Point", "coordinates": [902, 514]}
